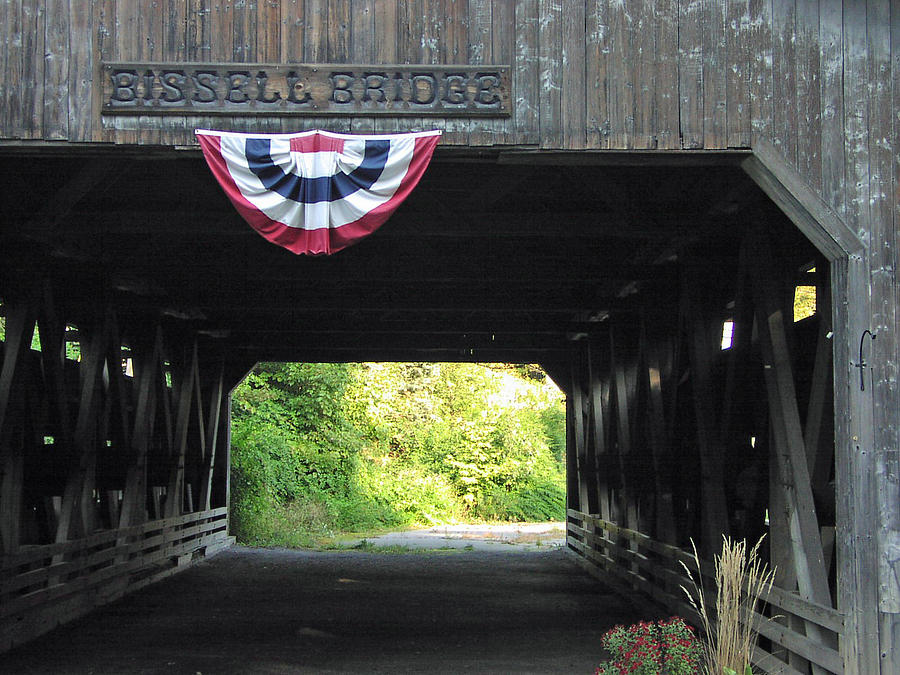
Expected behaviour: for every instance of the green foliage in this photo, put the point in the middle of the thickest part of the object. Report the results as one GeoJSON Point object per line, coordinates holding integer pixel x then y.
{"type": "Point", "coordinates": [651, 648]}
{"type": "Point", "coordinates": [804, 302]}
{"type": "Point", "coordinates": [319, 448]}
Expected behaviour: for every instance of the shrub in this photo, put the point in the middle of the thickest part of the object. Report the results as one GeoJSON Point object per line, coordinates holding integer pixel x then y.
{"type": "Point", "coordinates": [669, 647]}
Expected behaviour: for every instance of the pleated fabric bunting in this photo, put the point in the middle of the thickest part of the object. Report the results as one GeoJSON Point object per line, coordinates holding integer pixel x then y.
{"type": "Point", "coordinates": [316, 192]}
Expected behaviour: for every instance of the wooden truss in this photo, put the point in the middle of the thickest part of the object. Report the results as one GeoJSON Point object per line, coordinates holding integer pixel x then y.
{"type": "Point", "coordinates": [107, 424]}
{"type": "Point", "coordinates": [677, 439]}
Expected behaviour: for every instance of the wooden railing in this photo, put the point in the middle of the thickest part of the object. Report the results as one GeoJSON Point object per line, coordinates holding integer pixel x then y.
{"type": "Point", "coordinates": [44, 586]}
{"type": "Point", "coordinates": [801, 632]}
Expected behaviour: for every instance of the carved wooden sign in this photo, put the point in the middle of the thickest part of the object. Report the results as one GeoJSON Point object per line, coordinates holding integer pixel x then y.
{"type": "Point", "coordinates": [305, 89]}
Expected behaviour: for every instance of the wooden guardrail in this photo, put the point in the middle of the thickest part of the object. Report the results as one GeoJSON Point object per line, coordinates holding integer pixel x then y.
{"type": "Point", "coordinates": [46, 585]}
{"type": "Point", "coordinates": [628, 558]}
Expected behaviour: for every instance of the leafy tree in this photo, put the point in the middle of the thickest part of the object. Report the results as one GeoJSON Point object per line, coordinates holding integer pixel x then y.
{"type": "Point", "coordinates": [351, 446]}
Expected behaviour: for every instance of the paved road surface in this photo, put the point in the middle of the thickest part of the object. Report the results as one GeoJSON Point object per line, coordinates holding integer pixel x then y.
{"type": "Point", "coordinates": [283, 611]}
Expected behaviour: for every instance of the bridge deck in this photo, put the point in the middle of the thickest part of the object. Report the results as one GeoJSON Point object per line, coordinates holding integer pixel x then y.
{"type": "Point", "coordinates": [279, 611]}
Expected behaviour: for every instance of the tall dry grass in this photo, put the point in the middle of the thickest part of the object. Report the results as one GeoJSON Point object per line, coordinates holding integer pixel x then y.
{"type": "Point", "coordinates": [730, 626]}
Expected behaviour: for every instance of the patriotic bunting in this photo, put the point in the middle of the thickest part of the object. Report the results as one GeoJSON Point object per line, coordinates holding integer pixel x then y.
{"type": "Point", "coordinates": [316, 192]}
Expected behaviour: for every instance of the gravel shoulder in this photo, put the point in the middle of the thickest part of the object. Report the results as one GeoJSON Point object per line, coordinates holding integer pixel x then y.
{"type": "Point", "coordinates": [518, 537]}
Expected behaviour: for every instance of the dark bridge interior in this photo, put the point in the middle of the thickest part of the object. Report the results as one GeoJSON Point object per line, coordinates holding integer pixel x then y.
{"type": "Point", "coordinates": [616, 272]}
{"type": "Point", "coordinates": [494, 257]}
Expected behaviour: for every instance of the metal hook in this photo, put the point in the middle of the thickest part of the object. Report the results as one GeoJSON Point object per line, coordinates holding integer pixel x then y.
{"type": "Point", "coordinates": [862, 363]}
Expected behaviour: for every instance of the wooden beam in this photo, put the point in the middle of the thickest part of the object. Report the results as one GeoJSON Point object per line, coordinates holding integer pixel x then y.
{"type": "Point", "coordinates": [599, 411]}
{"type": "Point", "coordinates": [187, 381]}
{"type": "Point", "coordinates": [572, 477]}
{"type": "Point", "coordinates": [818, 431]}
{"type": "Point", "coordinates": [785, 416]}
{"type": "Point", "coordinates": [52, 329]}
{"type": "Point", "coordinates": [791, 193]}
{"type": "Point", "coordinates": [20, 322]}
{"type": "Point", "coordinates": [216, 392]}
{"type": "Point", "coordinates": [71, 522]}
{"type": "Point", "coordinates": [624, 367]}
{"type": "Point", "coordinates": [660, 448]}
{"type": "Point", "coordinates": [713, 509]}
{"type": "Point", "coordinates": [579, 419]}
{"type": "Point", "coordinates": [119, 391]}
{"type": "Point", "coordinates": [147, 360]}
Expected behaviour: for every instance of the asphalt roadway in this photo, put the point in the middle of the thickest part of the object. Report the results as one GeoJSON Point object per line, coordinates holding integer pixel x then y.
{"type": "Point", "coordinates": [504, 610]}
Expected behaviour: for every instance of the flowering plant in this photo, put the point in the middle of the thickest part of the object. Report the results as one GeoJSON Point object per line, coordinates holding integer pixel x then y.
{"type": "Point", "coordinates": [662, 647]}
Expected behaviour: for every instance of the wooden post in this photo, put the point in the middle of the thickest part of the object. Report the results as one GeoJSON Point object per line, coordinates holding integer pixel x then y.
{"type": "Point", "coordinates": [584, 436]}
{"type": "Point", "coordinates": [794, 490]}
{"type": "Point", "coordinates": [599, 402]}
{"type": "Point", "coordinates": [855, 473]}
{"type": "Point", "coordinates": [211, 438]}
{"type": "Point", "coordinates": [19, 329]}
{"type": "Point", "coordinates": [72, 522]}
{"type": "Point", "coordinates": [187, 381]}
{"type": "Point", "coordinates": [664, 506]}
{"type": "Point", "coordinates": [147, 359]}
{"type": "Point", "coordinates": [572, 474]}
{"type": "Point", "coordinates": [713, 509]}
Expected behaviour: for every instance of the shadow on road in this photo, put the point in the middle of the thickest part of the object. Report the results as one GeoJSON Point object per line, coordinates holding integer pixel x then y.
{"type": "Point", "coordinates": [284, 611]}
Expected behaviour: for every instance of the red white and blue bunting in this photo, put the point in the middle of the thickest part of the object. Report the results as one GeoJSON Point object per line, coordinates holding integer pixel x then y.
{"type": "Point", "coordinates": [316, 192]}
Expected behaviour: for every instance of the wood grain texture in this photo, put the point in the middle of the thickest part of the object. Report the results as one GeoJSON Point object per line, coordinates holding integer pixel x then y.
{"type": "Point", "coordinates": [56, 70]}
{"type": "Point", "coordinates": [620, 70]}
{"type": "Point", "coordinates": [480, 50]}
{"type": "Point", "coordinates": [784, 80]}
{"type": "Point", "coordinates": [761, 48]}
{"type": "Point", "coordinates": [245, 29]}
{"type": "Point", "coordinates": [883, 264]}
{"type": "Point", "coordinates": [597, 46]}
{"type": "Point", "coordinates": [690, 73]}
{"type": "Point", "coordinates": [387, 27]}
{"type": "Point", "coordinates": [809, 95]}
{"type": "Point", "coordinates": [665, 121]}
{"type": "Point", "coordinates": [737, 65]}
{"type": "Point", "coordinates": [503, 18]}
{"type": "Point", "coordinates": [12, 99]}
{"type": "Point", "coordinates": [573, 76]}
{"type": "Point", "coordinates": [526, 70]}
{"type": "Point", "coordinates": [550, 75]}
{"type": "Point", "coordinates": [831, 103]}
{"type": "Point", "coordinates": [715, 74]}
{"type": "Point", "coordinates": [221, 30]}
{"type": "Point", "coordinates": [32, 81]}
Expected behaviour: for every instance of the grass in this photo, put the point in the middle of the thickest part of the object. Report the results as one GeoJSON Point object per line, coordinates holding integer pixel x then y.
{"type": "Point", "coordinates": [399, 549]}
{"type": "Point", "coordinates": [730, 627]}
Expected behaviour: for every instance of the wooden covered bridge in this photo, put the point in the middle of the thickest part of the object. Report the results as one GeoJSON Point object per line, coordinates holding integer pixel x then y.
{"type": "Point", "coordinates": [617, 182]}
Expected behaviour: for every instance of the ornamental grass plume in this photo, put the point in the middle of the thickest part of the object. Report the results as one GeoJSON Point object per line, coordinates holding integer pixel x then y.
{"type": "Point", "coordinates": [730, 628]}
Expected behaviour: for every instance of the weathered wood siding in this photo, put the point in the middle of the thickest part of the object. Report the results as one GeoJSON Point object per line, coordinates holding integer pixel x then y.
{"type": "Point", "coordinates": [817, 79]}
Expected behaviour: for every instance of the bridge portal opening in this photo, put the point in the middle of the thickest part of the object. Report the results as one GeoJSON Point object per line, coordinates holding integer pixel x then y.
{"type": "Point", "coordinates": [618, 273]}
{"type": "Point", "coordinates": [328, 453]}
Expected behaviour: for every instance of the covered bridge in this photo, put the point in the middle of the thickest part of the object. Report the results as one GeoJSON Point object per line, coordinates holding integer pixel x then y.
{"type": "Point", "coordinates": [617, 181]}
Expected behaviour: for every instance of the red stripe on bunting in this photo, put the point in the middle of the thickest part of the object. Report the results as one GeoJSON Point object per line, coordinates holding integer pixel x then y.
{"type": "Point", "coordinates": [317, 143]}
